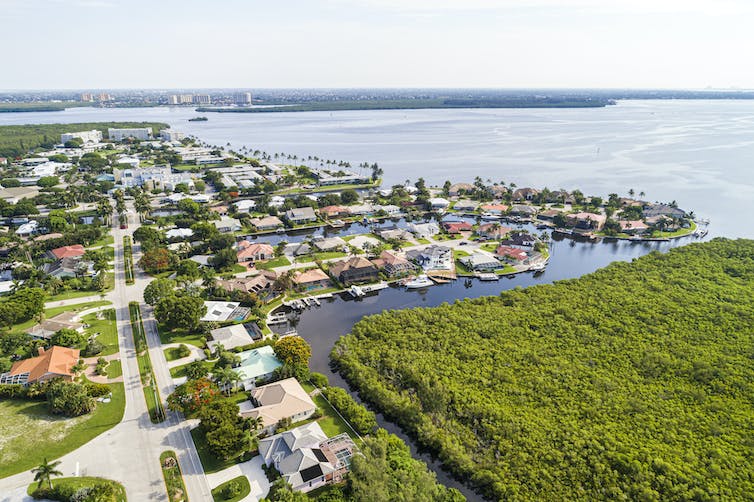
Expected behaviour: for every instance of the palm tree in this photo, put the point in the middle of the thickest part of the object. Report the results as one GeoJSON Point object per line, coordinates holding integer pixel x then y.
{"type": "Point", "coordinates": [44, 472]}
{"type": "Point", "coordinates": [226, 378]}
{"type": "Point", "coordinates": [256, 423]}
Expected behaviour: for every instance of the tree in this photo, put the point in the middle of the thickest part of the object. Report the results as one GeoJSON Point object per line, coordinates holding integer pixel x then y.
{"type": "Point", "coordinates": [48, 181]}
{"type": "Point", "coordinates": [293, 350]}
{"type": "Point", "coordinates": [157, 290]}
{"type": "Point", "coordinates": [179, 311]}
{"type": "Point", "coordinates": [187, 270]}
{"type": "Point", "coordinates": [196, 370]}
{"type": "Point", "coordinates": [67, 398]}
{"type": "Point", "coordinates": [349, 196]}
{"type": "Point", "coordinates": [227, 359]}
{"type": "Point", "coordinates": [191, 396]}
{"type": "Point", "coordinates": [67, 338]}
{"type": "Point", "coordinates": [45, 471]}
{"type": "Point", "coordinates": [224, 259]}
{"type": "Point", "coordinates": [227, 441]}
{"type": "Point", "coordinates": [156, 260]}
{"type": "Point", "coordinates": [218, 413]}
{"type": "Point", "coordinates": [226, 378]}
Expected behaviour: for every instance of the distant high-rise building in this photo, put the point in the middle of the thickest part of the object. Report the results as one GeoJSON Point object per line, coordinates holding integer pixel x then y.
{"type": "Point", "coordinates": [242, 98]}
{"type": "Point", "coordinates": [168, 135]}
{"type": "Point", "coordinates": [93, 136]}
{"type": "Point", "coordinates": [142, 133]}
{"type": "Point", "coordinates": [103, 96]}
{"type": "Point", "coordinates": [87, 97]}
{"type": "Point", "coordinates": [202, 99]}
{"type": "Point", "coordinates": [173, 99]}
{"type": "Point", "coordinates": [185, 99]}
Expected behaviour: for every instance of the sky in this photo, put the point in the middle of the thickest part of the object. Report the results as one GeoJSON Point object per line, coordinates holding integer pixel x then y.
{"type": "Point", "coordinates": [80, 44]}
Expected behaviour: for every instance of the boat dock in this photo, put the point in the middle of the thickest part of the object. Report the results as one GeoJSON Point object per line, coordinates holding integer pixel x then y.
{"type": "Point", "coordinates": [279, 318]}
{"type": "Point", "coordinates": [487, 276]}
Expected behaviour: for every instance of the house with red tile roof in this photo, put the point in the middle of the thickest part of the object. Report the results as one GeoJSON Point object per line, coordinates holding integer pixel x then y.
{"type": "Point", "coordinates": [497, 209]}
{"type": "Point", "coordinates": [55, 362]}
{"type": "Point", "coordinates": [334, 211]}
{"type": "Point", "coordinates": [254, 251]}
{"type": "Point", "coordinates": [456, 227]}
{"type": "Point", "coordinates": [633, 227]}
{"type": "Point", "coordinates": [510, 253]}
{"type": "Point", "coordinates": [312, 279]}
{"type": "Point", "coordinates": [75, 251]}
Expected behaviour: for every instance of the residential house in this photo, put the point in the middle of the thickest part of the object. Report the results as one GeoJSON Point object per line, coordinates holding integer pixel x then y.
{"type": "Point", "coordinates": [481, 262]}
{"type": "Point", "coordinates": [438, 203]}
{"type": "Point", "coordinates": [244, 205]}
{"type": "Point", "coordinates": [433, 257]}
{"type": "Point", "coordinates": [230, 337]}
{"type": "Point", "coordinates": [393, 264]}
{"type": "Point", "coordinates": [354, 270]}
{"type": "Point", "coordinates": [298, 249]}
{"type": "Point", "coordinates": [364, 242]}
{"type": "Point", "coordinates": [494, 231]}
{"type": "Point", "coordinates": [334, 211]}
{"type": "Point", "coordinates": [201, 259]}
{"type": "Point", "coordinates": [70, 267]}
{"type": "Point", "coordinates": [224, 311]}
{"type": "Point", "coordinates": [511, 254]}
{"type": "Point", "coordinates": [329, 243]}
{"type": "Point", "coordinates": [525, 194]}
{"type": "Point", "coordinates": [466, 205]}
{"type": "Point", "coordinates": [456, 227]}
{"type": "Point", "coordinates": [312, 279]}
{"type": "Point", "coordinates": [284, 399]}
{"type": "Point", "coordinates": [253, 284]}
{"type": "Point", "coordinates": [523, 210]}
{"type": "Point", "coordinates": [390, 209]}
{"type": "Point", "coordinates": [266, 223]}
{"type": "Point", "coordinates": [633, 227]}
{"type": "Point", "coordinates": [586, 221]}
{"type": "Point", "coordinates": [460, 188]}
{"type": "Point", "coordinates": [549, 214]}
{"type": "Point", "coordinates": [394, 233]}
{"type": "Point", "coordinates": [256, 365]}
{"type": "Point", "coordinates": [361, 209]}
{"type": "Point", "coordinates": [75, 251]}
{"type": "Point", "coordinates": [254, 251]}
{"type": "Point", "coordinates": [227, 225]}
{"type": "Point", "coordinates": [27, 229]}
{"type": "Point", "coordinates": [652, 210]}
{"type": "Point", "coordinates": [48, 327]}
{"type": "Point", "coordinates": [424, 230]}
{"type": "Point", "coordinates": [305, 457]}
{"type": "Point", "coordinates": [519, 239]}
{"type": "Point", "coordinates": [560, 196]}
{"type": "Point", "coordinates": [494, 209]}
{"type": "Point", "coordinates": [179, 233]}
{"type": "Point", "coordinates": [301, 215]}
{"type": "Point", "coordinates": [55, 362]}
{"type": "Point", "coordinates": [14, 195]}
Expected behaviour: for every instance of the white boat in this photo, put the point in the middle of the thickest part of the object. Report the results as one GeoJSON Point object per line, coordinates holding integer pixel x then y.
{"type": "Point", "coordinates": [356, 291]}
{"type": "Point", "coordinates": [421, 281]}
{"type": "Point", "coordinates": [538, 266]}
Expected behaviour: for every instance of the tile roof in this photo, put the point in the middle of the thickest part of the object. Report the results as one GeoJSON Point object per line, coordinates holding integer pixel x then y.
{"type": "Point", "coordinates": [56, 360]}
{"type": "Point", "coordinates": [68, 251]}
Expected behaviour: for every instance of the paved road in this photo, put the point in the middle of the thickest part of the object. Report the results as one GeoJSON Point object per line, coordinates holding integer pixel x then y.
{"type": "Point", "coordinates": [130, 451]}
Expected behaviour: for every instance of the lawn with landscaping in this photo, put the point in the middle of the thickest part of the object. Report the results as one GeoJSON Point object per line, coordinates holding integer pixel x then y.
{"type": "Point", "coordinates": [171, 472]}
{"type": "Point", "coordinates": [106, 490]}
{"type": "Point", "coordinates": [232, 490]}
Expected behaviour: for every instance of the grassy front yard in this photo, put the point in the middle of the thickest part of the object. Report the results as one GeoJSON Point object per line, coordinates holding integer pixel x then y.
{"type": "Point", "coordinates": [52, 312]}
{"type": "Point", "coordinates": [114, 369]}
{"type": "Point", "coordinates": [85, 482]}
{"type": "Point", "coordinates": [324, 255]}
{"type": "Point", "coordinates": [280, 261]}
{"type": "Point", "coordinates": [28, 433]}
{"type": "Point", "coordinates": [107, 329]}
{"type": "Point", "coordinates": [179, 336]}
{"type": "Point", "coordinates": [210, 463]}
{"type": "Point", "coordinates": [218, 493]}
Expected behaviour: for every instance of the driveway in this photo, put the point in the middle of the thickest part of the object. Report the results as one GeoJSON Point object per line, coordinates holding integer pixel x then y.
{"type": "Point", "coordinates": [252, 469]}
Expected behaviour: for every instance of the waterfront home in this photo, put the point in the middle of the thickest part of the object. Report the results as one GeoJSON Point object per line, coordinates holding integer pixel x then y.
{"type": "Point", "coordinates": [227, 225]}
{"type": "Point", "coordinates": [301, 215]}
{"type": "Point", "coordinates": [48, 327]}
{"type": "Point", "coordinates": [433, 257]}
{"type": "Point", "coordinates": [284, 399]}
{"type": "Point", "coordinates": [334, 211]}
{"type": "Point", "coordinates": [519, 239]}
{"type": "Point", "coordinates": [393, 264]}
{"type": "Point", "coordinates": [633, 227]}
{"type": "Point", "coordinates": [456, 227]}
{"type": "Point", "coordinates": [230, 337]}
{"type": "Point", "coordinates": [586, 221]}
{"type": "Point", "coordinates": [652, 210]}
{"type": "Point", "coordinates": [493, 231]}
{"type": "Point", "coordinates": [179, 233]}
{"type": "Point", "coordinates": [298, 249]}
{"type": "Point", "coordinates": [560, 196]}
{"type": "Point", "coordinates": [466, 205]}
{"type": "Point", "coordinates": [354, 270]}
{"type": "Point", "coordinates": [481, 262]}
{"type": "Point", "coordinates": [55, 362]}
{"type": "Point", "coordinates": [364, 242]}
{"type": "Point", "coordinates": [461, 188]}
{"type": "Point", "coordinates": [306, 458]}
{"type": "Point", "coordinates": [244, 205]}
{"type": "Point", "coordinates": [329, 243]}
{"type": "Point", "coordinates": [361, 209]}
{"type": "Point", "coordinates": [256, 365]}
{"type": "Point", "coordinates": [494, 209]}
{"type": "Point", "coordinates": [311, 279]}
{"type": "Point", "coordinates": [266, 223]}
{"type": "Point", "coordinates": [390, 209]}
{"type": "Point", "coordinates": [424, 230]}
{"type": "Point", "coordinates": [549, 214]}
{"type": "Point", "coordinates": [224, 311]}
{"type": "Point", "coordinates": [254, 251]}
{"type": "Point", "coordinates": [525, 193]}
{"type": "Point", "coordinates": [511, 254]}
{"type": "Point", "coordinates": [394, 233]}
{"type": "Point", "coordinates": [253, 284]}
{"type": "Point", "coordinates": [438, 203]}
{"type": "Point", "coordinates": [523, 210]}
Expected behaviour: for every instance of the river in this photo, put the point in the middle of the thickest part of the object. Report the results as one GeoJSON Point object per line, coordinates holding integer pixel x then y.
{"type": "Point", "coordinates": [695, 152]}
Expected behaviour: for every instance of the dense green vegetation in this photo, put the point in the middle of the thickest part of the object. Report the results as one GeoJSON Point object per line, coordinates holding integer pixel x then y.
{"type": "Point", "coordinates": [633, 382]}
{"type": "Point", "coordinates": [80, 488]}
{"type": "Point", "coordinates": [414, 104]}
{"type": "Point", "coordinates": [16, 140]}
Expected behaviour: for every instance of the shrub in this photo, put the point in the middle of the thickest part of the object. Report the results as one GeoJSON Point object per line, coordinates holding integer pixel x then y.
{"type": "Point", "coordinates": [319, 380]}
{"type": "Point", "coordinates": [70, 399]}
{"type": "Point", "coordinates": [93, 348]}
{"type": "Point", "coordinates": [97, 389]}
{"type": "Point", "coordinates": [183, 351]}
{"type": "Point", "coordinates": [358, 416]}
{"type": "Point", "coordinates": [232, 490]}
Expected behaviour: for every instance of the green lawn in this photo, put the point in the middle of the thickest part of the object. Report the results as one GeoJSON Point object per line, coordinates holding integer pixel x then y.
{"type": "Point", "coordinates": [422, 240]}
{"type": "Point", "coordinates": [180, 371]}
{"type": "Point", "coordinates": [173, 476]}
{"type": "Point", "coordinates": [172, 354]}
{"type": "Point", "coordinates": [74, 293]}
{"type": "Point", "coordinates": [114, 369]}
{"type": "Point", "coordinates": [325, 255]}
{"type": "Point", "coordinates": [210, 463]}
{"type": "Point", "coordinates": [331, 423]}
{"type": "Point", "coordinates": [243, 482]}
{"type": "Point", "coordinates": [461, 268]}
{"type": "Point", "coordinates": [148, 381]}
{"type": "Point", "coordinates": [84, 482]}
{"type": "Point", "coordinates": [108, 239]}
{"type": "Point", "coordinates": [507, 269]}
{"type": "Point", "coordinates": [107, 329]}
{"type": "Point", "coordinates": [29, 433]}
{"type": "Point", "coordinates": [179, 336]}
{"type": "Point", "coordinates": [52, 312]}
{"type": "Point", "coordinates": [280, 261]}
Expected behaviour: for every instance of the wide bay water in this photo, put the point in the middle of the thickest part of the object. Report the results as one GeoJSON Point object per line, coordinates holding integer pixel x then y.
{"type": "Point", "coordinates": [698, 153]}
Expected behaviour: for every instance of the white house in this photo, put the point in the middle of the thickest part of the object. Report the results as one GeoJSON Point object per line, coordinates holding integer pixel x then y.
{"type": "Point", "coordinates": [227, 224]}
{"type": "Point", "coordinates": [424, 230]}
